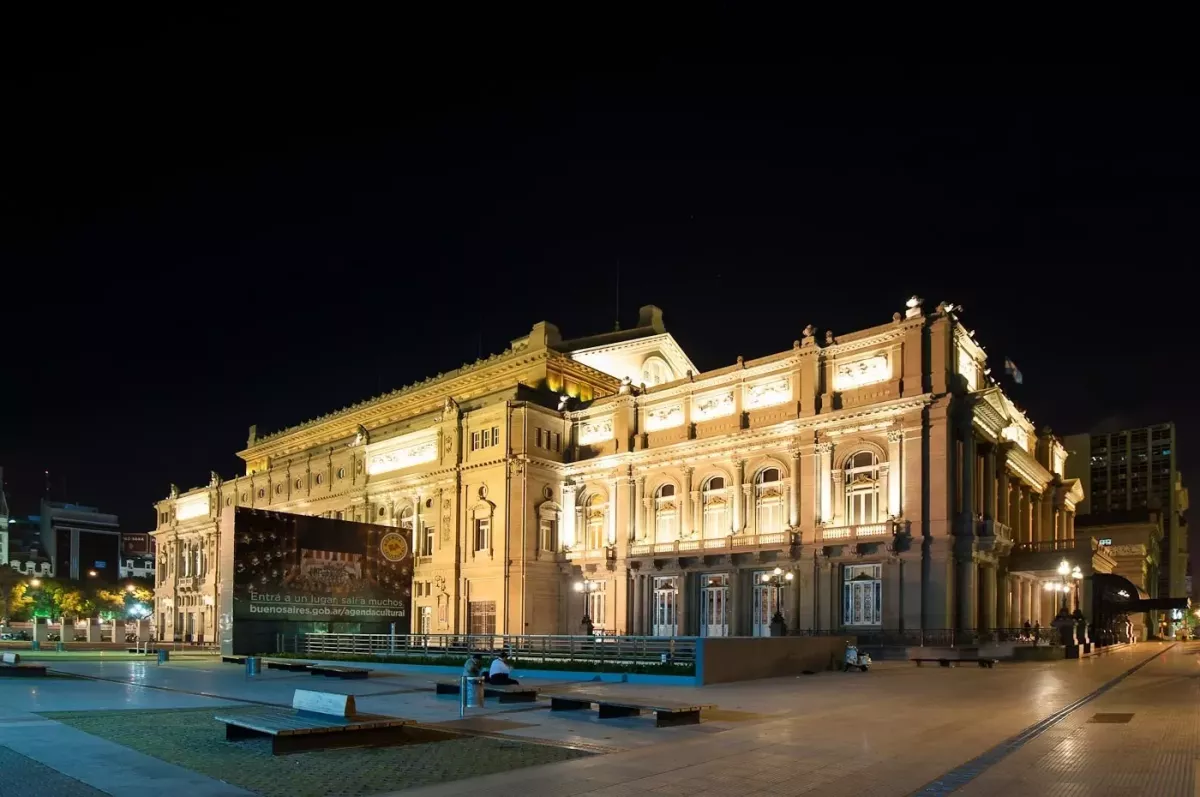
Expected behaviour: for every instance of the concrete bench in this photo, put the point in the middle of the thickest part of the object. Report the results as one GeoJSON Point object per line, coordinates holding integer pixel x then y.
{"type": "Point", "coordinates": [504, 693]}
{"type": "Point", "coordinates": [318, 720]}
{"type": "Point", "coordinates": [291, 665]}
{"type": "Point", "coordinates": [10, 665]}
{"type": "Point", "coordinates": [948, 662]}
{"type": "Point", "coordinates": [233, 659]}
{"type": "Point", "coordinates": [333, 671]}
{"type": "Point", "coordinates": [666, 714]}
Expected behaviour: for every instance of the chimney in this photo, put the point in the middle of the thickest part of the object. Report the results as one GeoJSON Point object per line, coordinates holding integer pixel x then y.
{"type": "Point", "coordinates": [651, 316]}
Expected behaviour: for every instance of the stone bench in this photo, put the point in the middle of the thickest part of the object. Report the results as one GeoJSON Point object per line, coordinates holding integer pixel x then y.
{"type": "Point", "coordinates": [291, 665]}
{"type": "Point", "coordinates": [10, 665]}
{"type": "Point", "coordinates": [666, 714]}
{"type": "Point", "coordinates": [950, 662]}
{"type": "Point", "coordinates": [504, 693]}
{"type": "Point", "coordinates": [334, 671]}
{"type": "Point", "coordinates": [318, 720]}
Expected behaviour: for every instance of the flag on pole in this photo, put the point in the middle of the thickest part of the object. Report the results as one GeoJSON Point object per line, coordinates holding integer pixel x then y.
{"type": "Point", "coordinates": [1011, 369]}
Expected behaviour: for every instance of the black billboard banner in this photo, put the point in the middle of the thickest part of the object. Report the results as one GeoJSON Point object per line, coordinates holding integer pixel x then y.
{"type": "Point", "coordinates": [284, 569]}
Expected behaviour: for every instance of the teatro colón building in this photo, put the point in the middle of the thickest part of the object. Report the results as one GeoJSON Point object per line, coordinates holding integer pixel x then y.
{"type": "Point", "coordinates": [607, 476]}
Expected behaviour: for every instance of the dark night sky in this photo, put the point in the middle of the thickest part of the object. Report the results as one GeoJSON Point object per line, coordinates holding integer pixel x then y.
{"type": "Point", "coordinates": [219, 223]}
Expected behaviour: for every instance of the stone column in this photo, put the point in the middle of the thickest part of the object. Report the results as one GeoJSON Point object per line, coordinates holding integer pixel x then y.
{"type": "Point", "coordinates": [639, 508]}
{"type": "Point", "coordinates": [639, 606]}
{"type": "Point", "coordinates": [891, 594]}
{"type": "Point", "coordinates": [794, 492]}
{"type": "Point", "coordinates": [824, 453]}
{"type": "Point", "coordinates": [568, 530]}
{"type": "Point", "coordinates": [685, 504]}
{"type": "Point", "coordinates": [1035, 517]}
{"type": "Point", "coordinates": [735, 498]}
{"type": "Point", "coordinates": [989, 482]}
{"type": "Point", "coordinates": [967, 471]}
{"type": "Point", "coordinates": [747, 499]}
{"type": "Point", "coordinates": [989, 597]}
{"type": "Point", "coordinates": [895, 489]}
{"type": "Point", "coordinates": [735, 610]}
{"type": "Point", "coordinates": [838, 479]}
{"type": "Point", "coordinates": [967, 593]}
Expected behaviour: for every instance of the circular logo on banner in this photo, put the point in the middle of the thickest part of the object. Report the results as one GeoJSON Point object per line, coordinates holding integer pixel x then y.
{"type": "Point", "coordinates": [393, 546]}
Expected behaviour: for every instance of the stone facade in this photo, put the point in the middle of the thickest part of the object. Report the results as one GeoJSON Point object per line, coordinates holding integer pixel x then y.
{"type": "Point", "coordinates": [884, 469]}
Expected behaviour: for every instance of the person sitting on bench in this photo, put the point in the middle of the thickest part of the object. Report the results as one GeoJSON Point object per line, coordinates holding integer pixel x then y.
{"type": "Point", "coordinates": [500, 673]}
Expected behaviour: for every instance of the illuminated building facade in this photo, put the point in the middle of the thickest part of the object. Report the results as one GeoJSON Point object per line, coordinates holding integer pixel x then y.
{"type": "Point", "coordinates": [884, 469]}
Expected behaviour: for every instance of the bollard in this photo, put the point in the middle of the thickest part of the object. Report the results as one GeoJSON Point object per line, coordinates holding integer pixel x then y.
{"type": "Point", "coordinates": [35, 645]}
{"type": "Point", "coordinates": [59, 646]}
{"type": "Point", "coordinates": [253, 665]}
{"type": "Point", "coordinates": [163, 656]}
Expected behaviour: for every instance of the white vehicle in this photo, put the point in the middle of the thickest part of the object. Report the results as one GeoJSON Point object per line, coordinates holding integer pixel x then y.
{"type": "Point", "coordinates": [855, 659]}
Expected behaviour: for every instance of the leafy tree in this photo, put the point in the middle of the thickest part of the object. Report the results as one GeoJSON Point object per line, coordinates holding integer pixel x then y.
{"type": "Point", "coordinates": [9, 580]}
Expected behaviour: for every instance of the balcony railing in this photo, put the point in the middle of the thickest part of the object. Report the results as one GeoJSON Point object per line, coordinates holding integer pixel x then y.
{"type": "Point", "coordinates": [862, 532]}
{"type": "Point", "coordinates": [732, 542]}
{"type": "Point", "coordinates": [590, 554]}
{"type": "Point", "coordinates": [1044, 545]}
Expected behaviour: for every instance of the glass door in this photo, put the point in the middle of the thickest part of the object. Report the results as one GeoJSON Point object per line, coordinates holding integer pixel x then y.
{"type": "Point", "coordinates": [766, 602]}
{"type": "Point", "coordinates": [714, 605]}
{"type": "Point", "coordinates": [665, 619]}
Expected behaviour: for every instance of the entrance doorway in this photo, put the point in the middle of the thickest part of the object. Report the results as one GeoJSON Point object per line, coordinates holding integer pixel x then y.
{"type": "Point", "coordinates": [714, 605]}
{"type": "Point", "coordinates": [665, 619]}
{"type": "Point", "coordinates": [766, 603]}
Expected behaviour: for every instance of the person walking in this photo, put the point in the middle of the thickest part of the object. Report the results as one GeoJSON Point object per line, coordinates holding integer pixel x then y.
{"type": "Point", "coordinates": [1027, 629]}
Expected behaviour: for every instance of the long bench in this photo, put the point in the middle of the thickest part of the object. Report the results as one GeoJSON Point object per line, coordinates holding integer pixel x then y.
{"type": "Point", "coordinates": [334, 671]}
{"type": "Point", "coordinates": [318, 720]}
{"type": "Point", "coordinates": [947, 662]}
{"type": "Point", "coordinates": [291, 665]}
{"type": "Point", "coordinates": [666, 714]}
{"type": "Point", "coordinates": [233, 659]}
{"type": "Point", "coordinates": [10, 664]}
{"type": "Point", "coordinates": [504, 693]}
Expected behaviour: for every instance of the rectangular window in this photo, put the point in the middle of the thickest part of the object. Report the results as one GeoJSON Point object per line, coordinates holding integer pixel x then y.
{"type": "Point", "coordinates": [548, 535]}
{"type": "Point", "coordinates": [481, 616]}
{"type": "Point", "coordinates": [487, 438]}
{"type": "Point", "coordinates": [597, 603]}
{"type": "Point", "coordinates": [862, 595]}
{"type": "Point", "coordinates": [476, 440]}
{"type": "Point", "coordinates": [426, 626]}
{"type": "Point", "coordinates": [557, 441]}
{"type": "Point", "coordinates": [483, 528]}
{"type": "Point", "coordinates": [427, 541]}
{"type": "Point", "coordinates": [538, 438]}
{"type": "Point", "coordinates": [495, 435]}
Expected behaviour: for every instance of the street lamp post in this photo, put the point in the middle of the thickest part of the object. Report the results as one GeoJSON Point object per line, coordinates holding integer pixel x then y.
{"type": "Point", "coordinates": [1068, 581]}
{"type": "Point", "coordinates": [585, 589]}
{"type": "Point", "coordinates": [778, 579]}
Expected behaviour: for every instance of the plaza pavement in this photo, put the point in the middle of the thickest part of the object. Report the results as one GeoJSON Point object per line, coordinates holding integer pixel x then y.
{"type": "Point", "coordinates": [897, 730]}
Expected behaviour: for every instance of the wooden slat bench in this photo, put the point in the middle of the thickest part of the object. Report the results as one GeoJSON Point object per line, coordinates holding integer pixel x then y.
{"type": "Point", "coordinates": [10, 665]}
{"type": "Point", "coordinates": [334, 671]}
{"type": "Point", "coordinates": [946, 662]}
{"type": "Point", "coordinates": [233, 659]}
{"type": "Point", "coordinates": [666, 714]}
{"type": "Point", "coordinates": [291, 665]}
{"type": "Point", "coordinates": [318, 720]}
{"type": "Point", "coordinates": [504, 693]}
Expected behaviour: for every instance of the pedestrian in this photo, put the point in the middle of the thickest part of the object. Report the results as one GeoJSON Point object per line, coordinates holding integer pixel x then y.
{"type": "Point", "coordinates": [1037, 632]}
{"type": "Point", "coordinates": [1028, 629]}
{"type": "Point", "coordinates": [500, 673]}
{"type": "Point", "coordinates": [473, 666]}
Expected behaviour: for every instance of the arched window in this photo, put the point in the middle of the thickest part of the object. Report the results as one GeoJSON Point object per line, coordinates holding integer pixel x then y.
{"type": "Point", "coordinates": [595, 522]}
{"type": "Point", "coordinates": [862, 489]}
{"type": "Point", "coordinates": [768, 501]}
{"type": "Point", "coordinates": [715, 496]}
{"type": "Point", "coordinates": [655, 371]}
{"type": "Point", "coordinates": [666, 514]}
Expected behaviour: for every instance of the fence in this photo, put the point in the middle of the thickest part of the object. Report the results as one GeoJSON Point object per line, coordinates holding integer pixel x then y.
{"type": "Point", "coordinates": [527, 648]}
{"type": "Point", "coordinates": [941, 637]}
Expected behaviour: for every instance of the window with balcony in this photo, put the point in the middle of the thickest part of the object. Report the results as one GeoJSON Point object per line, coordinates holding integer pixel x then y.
{"type": "Point", "coordinates": [715, 496]}
{"type": "Point", "coordinates": [862, 489]}
{"type": "Point", "coordinates": [666, 514]}
{"type": "Point", "coordinates": [595, 521]}
{"type": "Point", "coordinates": [483, 534]}
{"type": "Point", "coordinates": [768, 501]}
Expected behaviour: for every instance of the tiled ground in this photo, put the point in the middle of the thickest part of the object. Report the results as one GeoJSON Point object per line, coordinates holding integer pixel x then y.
{"type": "Point", "coordinates": [892, 731]}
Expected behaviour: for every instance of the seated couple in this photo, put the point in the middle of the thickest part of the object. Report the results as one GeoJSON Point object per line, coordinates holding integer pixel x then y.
{"type": "Point", "coordinates": [499, 673]}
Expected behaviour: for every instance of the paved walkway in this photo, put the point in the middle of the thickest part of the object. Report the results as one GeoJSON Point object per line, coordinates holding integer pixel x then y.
{"type": "Point", "coordinates": [897, 730]}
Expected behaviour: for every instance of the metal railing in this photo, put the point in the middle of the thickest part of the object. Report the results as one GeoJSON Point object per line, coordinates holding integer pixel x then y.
{"type": "Point", "coordinates": [1045, 545]}
{"type": "Point", "coordinates": [527, 648]}
{"type": "Point", "coordinates": [940, 637]}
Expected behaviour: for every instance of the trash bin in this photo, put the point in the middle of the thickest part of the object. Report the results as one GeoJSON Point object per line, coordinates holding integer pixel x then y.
{"type": "Point", "coordinates": [470, 691]}
{"type": "Point", "coordinates": [253, 665]}
{"type": "Point", "coordinates": [163, 655]}
{"type": "Point", "coordinates": [35, 645]}
{"type": "Point", "coordinates": [59, 647]}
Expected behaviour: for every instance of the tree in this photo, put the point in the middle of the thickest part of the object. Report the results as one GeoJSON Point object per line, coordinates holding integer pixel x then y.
{"type": "Point", "coordinates": [9, 579]}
